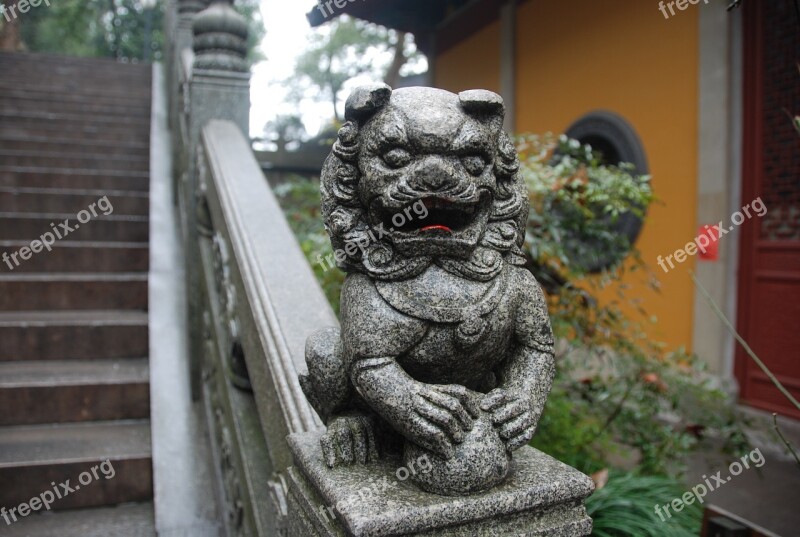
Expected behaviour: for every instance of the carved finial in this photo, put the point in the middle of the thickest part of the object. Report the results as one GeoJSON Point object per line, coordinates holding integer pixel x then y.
{"type": "Point", "coordinates": [220, 38]}
{"type": "Point", "coordinates": [191, 7]}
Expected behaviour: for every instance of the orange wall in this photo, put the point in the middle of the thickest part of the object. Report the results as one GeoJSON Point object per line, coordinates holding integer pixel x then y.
{"type": "Point", "coordinates": [473, 63]}
{"type": "Point", "coordinates": [620, 55]}
{"type": "Point", "coordinates": [625, 57]}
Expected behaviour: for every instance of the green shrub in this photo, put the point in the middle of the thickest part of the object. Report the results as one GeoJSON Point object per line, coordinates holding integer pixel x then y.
{"type": "Point", "coordinates": [625, 506]}
{"type": "Point", "coordinates": [299, 199]}
{"type": "Point", "coordinates": [627, 397]}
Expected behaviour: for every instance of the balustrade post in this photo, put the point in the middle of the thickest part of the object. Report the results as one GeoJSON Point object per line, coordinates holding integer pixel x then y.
{"type": "Point", "coordinates": [219, 89]}
{"type": "Point", "coordinates": [179, 17]}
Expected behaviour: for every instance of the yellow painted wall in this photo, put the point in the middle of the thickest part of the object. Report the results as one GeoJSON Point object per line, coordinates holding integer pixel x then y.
{"type": "Point", "coordinates": [473, 63]}
{"type": "Point", "coordinates": [582, 55]}
{"type": "Point", "coordinates": [576, 56]}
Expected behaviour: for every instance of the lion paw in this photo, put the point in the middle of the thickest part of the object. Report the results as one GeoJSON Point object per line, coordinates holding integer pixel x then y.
{"type": "Point", "coordinates": [349, 439]}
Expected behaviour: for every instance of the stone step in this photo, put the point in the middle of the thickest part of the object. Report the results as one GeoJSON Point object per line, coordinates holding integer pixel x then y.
{"type": "Point", "coordinates": [111, 228]}
{"type": "Point", "coordinates": [76, 147]}
{"type": "Point", "coordinates": [53, 73]}
{"type": "Point", "coordinates": [87, 134]}
{"type": "Point", "coordinates": [66, 76]}
{"type": "Point", "coordinates": [67, 73]}
{"type": "Point", "coordinates": [92, 83]}
{"type": "Point", "coordinates": [132, 92]}
{"type": "Point", "coordinates": [72, 335]}
{"type": "Point", "coordinates": [80, 128]}
{"type": "Point", "coordinates": [59, 60]}
{"type": "Point", "coordinates": [60, 291]}
{"type": "Point", "coordinates": [37, 392]}
{"type": "Point", "coordinates": [53, 62]}
{"type": "Point", "coordinates": [27, 102]}
{"type": "Point", "coordinates": [41, 84]}
{"type": "Point", "coordinates": [97, 163]}
{"type": "Point", "coordinates": [69, 119]}
{"type": "Point", "coordinates": [129, 520]}
{"type": "Point", "coordinates": [82, 179]}
{"type": "Point", "coordinates": [68, 69]}
{"type": "Point", "coordinates": [60, 97]}
{"type": "Point", "coordinates": [34, 457]}
{"type": "Point", "coordinates": [63, 200]}
{"type": "Point", "coordinates": [78, 256]}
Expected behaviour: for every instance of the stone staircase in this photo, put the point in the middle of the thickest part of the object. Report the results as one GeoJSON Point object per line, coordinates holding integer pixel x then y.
{"type": "Point", "coordinates": [74, 375]}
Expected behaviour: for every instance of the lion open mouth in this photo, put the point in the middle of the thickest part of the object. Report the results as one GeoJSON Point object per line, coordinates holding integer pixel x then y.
{"type": "Point", "coordinates": [442, 216]}
{"type": "Point", "coordinates": [436, 224]}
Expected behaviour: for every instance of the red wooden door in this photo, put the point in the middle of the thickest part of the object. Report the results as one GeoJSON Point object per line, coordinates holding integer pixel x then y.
{"type": "Point", "coordinates": [769, 263]}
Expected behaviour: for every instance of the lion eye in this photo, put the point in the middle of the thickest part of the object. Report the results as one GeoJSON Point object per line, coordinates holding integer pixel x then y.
{"type": "Point", "coordinates": [475, 164]}
{"type": "Point", "coordinates": [397, 158]}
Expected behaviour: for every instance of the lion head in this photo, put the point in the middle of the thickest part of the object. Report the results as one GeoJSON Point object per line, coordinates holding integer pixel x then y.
{"type": "Point", "coordinates": [428, 149]}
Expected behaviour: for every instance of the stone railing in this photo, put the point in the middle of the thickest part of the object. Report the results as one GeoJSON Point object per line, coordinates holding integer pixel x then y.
{"type": "Point", "coordinates": [252, 297]}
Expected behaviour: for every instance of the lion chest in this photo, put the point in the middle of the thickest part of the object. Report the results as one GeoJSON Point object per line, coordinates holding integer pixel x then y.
{"type": "Point", "coordinates": [469, 326]}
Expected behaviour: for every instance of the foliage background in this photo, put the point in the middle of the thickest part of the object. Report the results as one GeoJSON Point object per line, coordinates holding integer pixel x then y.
{"type": "Point", "coordinates": [111, 28]}
{"type": "Point", "coordinates": [345, 49]}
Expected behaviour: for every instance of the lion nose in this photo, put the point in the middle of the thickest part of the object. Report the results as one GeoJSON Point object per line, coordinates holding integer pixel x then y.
{"type": "Point", "coordinates": [435, 175]}
{"type": "Point", "coordinates": [436, 182]}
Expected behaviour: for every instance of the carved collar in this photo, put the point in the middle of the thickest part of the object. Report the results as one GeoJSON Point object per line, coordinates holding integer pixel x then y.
{"type": "Point", "coordinates": [405, 297]}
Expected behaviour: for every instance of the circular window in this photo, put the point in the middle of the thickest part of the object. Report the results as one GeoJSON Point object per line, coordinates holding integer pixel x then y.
{"type": "Point", "coordinates": [616, 141]}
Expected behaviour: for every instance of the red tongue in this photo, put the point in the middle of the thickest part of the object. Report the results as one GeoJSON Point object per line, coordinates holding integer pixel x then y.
{"type": "Point", "coordinates": [437, 227]}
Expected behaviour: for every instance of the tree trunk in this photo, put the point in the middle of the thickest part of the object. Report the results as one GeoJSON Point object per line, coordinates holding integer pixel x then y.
{"type": "Point", "coordinates": [334, 91]}
{"type": "Point", "coordinates": [335, 108]}
{"type": "Point", "coordinates": [10, 36]}
{"type": "Point", "coordinates": [393, 74]}
{"type": "Point", "coordinates": [115, 40]}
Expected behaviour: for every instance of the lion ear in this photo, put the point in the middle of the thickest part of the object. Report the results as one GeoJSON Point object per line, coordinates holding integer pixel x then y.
{"type": "Point", "coordinates": [482, 102]}
{"type": "Point", "coordinates": [366, 100]}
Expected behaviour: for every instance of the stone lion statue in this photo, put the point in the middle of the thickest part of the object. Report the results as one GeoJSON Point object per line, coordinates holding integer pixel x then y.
{"type": "Point", "coordinates": [445, 347]}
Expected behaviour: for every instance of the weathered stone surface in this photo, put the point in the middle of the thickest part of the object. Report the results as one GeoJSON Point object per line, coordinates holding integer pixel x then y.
{"type": "Point", "coordinates": [445, 348]}
{"type": "Point", "coordinates": [220, 38]}
{"type": "Point", "coordinates": [191, 6]}
{"type": "Point", "coordinates": [541, 496]}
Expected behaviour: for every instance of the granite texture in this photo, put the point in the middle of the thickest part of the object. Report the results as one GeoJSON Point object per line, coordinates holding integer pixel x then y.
{"type": "Point", "coordinates": [445, 347]}
{"type": "Point", "coordinates": [540, 496]}
{"type": "Point", "coordinates": [218, 87]}
{"type": "Point", "coordinates": [220, 38]}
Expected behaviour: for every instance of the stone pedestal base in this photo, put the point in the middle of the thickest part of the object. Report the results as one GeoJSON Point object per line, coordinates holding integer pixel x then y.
{"type": "Point", "coordinates": [541, 497]}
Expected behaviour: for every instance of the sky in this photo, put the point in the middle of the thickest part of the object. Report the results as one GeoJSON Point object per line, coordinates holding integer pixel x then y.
{"type": "Point", "coordinates": [287, 36]}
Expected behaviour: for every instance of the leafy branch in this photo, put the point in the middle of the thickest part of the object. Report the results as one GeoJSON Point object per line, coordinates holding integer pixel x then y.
{"type": "Point", "coordinates": [718, 312]}
{"type": "Point", "coordinates": [783, 438]}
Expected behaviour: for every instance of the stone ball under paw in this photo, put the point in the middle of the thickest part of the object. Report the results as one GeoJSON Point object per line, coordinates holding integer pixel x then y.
{"type": "Point", "coordinates": [480, 462]}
